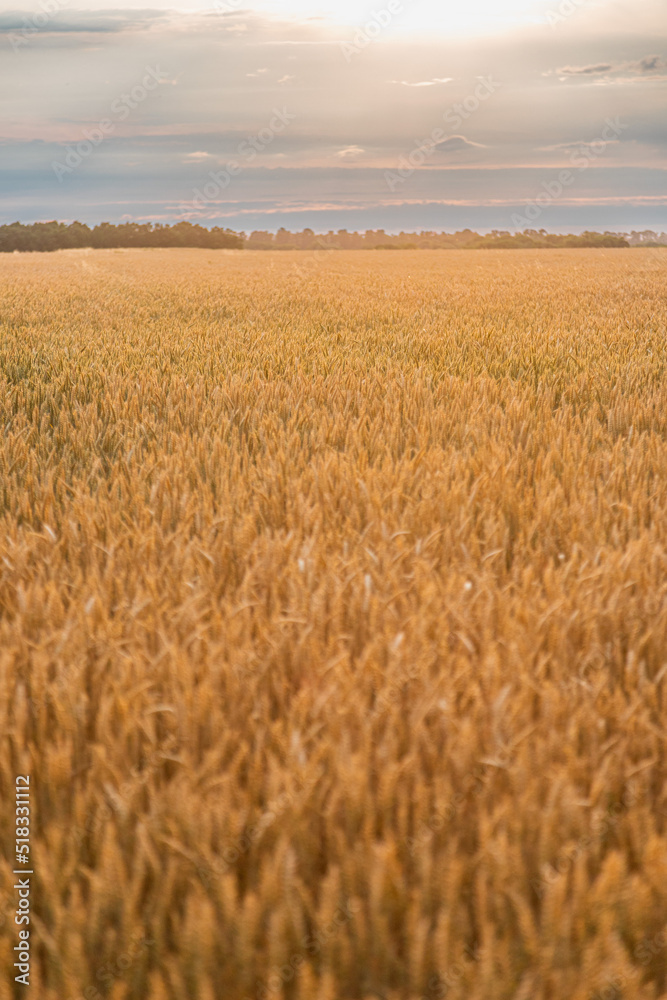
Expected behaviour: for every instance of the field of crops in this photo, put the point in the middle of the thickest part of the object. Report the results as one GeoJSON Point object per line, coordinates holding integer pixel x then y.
{"type": "Point", "coordinates": [333, 624]}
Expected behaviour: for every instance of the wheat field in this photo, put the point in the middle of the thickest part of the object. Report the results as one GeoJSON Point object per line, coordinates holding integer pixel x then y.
{"type": "Point", "coordinates": [333, 623]}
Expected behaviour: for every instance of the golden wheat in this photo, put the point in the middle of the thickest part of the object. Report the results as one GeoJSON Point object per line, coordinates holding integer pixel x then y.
{"type": "Point", "coordinates": [333, 624]}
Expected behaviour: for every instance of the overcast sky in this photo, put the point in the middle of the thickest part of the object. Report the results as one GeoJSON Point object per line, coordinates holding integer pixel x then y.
{"type": "Point", "coordinates": [399, 114]}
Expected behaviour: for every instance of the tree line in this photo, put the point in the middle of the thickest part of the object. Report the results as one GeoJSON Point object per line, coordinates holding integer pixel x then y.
{"type": "Point", "coordinates": [48, 236]}
{"type": "Point", "coordinates": [44, 236]}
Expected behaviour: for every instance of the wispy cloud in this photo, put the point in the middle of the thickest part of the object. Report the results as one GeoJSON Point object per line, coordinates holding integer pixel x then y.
{"type": "Point", "coordinates": [423, 83]}
{"type": "Point", "coordinates": [457, 143]}
{"type": "Point", "coordinates": [570, 147]}
{"type": "Point", "coordinates": [350, 153]}
{"type": "Point", "coordinates": [585, 70]}
{"type": "Point", "coordinates": [647, 65]}
{"type": "Point", "coordinates": [87, 21]}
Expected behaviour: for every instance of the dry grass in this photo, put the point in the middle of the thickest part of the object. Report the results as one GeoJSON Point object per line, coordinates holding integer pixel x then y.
{"type": "Point", "coordinates": [337, 591]}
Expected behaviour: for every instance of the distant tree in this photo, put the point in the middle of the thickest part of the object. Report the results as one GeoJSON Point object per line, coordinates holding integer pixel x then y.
{"type": "Point", "coordinates": [48, 236]}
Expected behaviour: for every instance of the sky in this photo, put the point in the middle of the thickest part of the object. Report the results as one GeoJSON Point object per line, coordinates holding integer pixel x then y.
{"type": "Point", "coordinates": [396, 114]}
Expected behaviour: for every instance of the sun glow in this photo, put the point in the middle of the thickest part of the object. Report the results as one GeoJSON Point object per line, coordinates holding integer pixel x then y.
{"type": "Point", "coordinates": [471, 17]}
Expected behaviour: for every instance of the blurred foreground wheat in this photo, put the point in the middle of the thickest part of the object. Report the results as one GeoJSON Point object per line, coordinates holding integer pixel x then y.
{"type": "Point", "coordinates": [333, 623]}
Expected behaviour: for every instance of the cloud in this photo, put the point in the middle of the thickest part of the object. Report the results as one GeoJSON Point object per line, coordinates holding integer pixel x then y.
{"type": "Point", "coordinates": [80, 21]}
{"type": "Point", "coordinates": [456, 143]}
{"type": "Point", "coordinates": [65, 81]}
{"type": "Point", "coordinates": [585, 70]}
{"type": "Point", "coordinates": [574, 147]}
{"type": "Point", "coordinates": [350, 153]}
{"type": "Point", "coordinates": [644, 66]}
{"type": "Point", "coordinates": [424, 83]}
{"type": "Point", "coordinates": [650, 63]}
